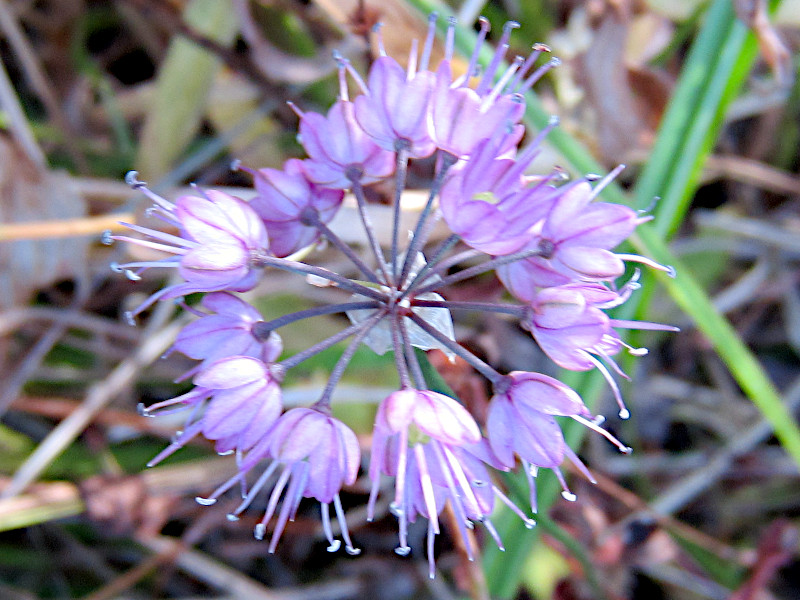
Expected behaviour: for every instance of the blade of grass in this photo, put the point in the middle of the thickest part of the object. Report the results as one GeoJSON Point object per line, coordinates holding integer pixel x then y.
{"type": "Point", "coordinates": [184, 81]}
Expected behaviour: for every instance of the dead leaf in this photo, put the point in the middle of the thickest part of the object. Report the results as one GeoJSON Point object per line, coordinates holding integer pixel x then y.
{"type": "Point", "coordinates": [29, 194]}
{"type": "Point", "coordinates": [605, 78]}
{"type": "Point", "coordinates": [778, 57]}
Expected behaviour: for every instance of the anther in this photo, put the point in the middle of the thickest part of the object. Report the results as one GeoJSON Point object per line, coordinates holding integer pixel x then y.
{"type": "Point", "coordinates": [352, 551]}
{"type": "Point", "coordinates": [236, 165]}
{"type": "Point", "coordinates": [232, 517]}
{"type": "Point", "coordinates": [259, 531]}
{"type": "Point", "coordinates": [107, 238]}
{"type": "Point", "coordinates": [335, 545]}
{"type": "Point", "coordinates": [568, 496]}
{"type": "Point", "coordinates": [132, 179]}
{"type": "Point", "coordinates": [402, 550]}
{"type": "Point", "coordinates": [340, 60]}
{"type": "Point", "coordinates": [205, 501]}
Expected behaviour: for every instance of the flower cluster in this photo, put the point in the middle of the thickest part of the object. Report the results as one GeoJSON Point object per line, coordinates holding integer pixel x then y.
{"type": "Point", "coordinates": [551, 245]}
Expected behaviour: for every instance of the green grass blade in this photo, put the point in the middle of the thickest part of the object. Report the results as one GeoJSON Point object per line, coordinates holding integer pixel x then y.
{"type": "Point", "coordinates": [184, 82]}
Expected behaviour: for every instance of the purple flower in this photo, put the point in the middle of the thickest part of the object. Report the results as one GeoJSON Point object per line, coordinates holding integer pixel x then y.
{"type": "Point", "coordinates": [317, 455]}
{"type": "Point", "coordinates": [574, 333]}
{"type": "Point", "coordinates": [461, 116]}
{"type": "Point", "coordinates": [290, 204]}
{"type": "Point", "coordinates": [219, 234]}
{"type": "Point", "coordinates": [428, 443]}
{"type": "Point", "coordinates": [245, 400]}
{"type": "Point", "coordinates": [340, 152]}
{"type": "Point", "coordinates": [228, 331]}
{"type": "Point", "coordinates": [575, 240]}
{"type": "Point", "coordinates": [487, 204]}
{"type": "Point", "coordinates": [566, 328]}
{"type": "Point", "coordinates": [521, 423]}
{"type": "Point", "coordinates": [394, 110]}
{"type": "Point", "coordinates": [415, 435]}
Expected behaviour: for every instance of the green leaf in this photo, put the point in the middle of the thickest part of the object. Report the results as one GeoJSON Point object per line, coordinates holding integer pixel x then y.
{"type": "Point", "coordinates": [184, 82]}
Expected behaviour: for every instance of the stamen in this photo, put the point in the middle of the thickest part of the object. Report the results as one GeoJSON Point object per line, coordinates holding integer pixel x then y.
{"type": "Point", "coordinates": [260, 483]}
{"type": "Point", "coordinates": [644, 325]}
{"type": "Point", "coordinates": [377, 30]}
{"type": "Point", "coordinates": [431, 561]}
{"type": "Point", "coordinates": [427, 486]}
{"type": "Point", "coordinates": [473, 61]}
{"type": "Point", "coordinates": [624, 413]}
{"type": "Point", "coordinates": [498, 88]}
{"type": "Point", "coordinates": [357, 78]}
{"type": "Point", "coordinates": [274, 497]}
{"type": "Point", "coordinates": [149, 244]}
{"type": "Point", "coordinates": [411, 66]}
{"type": "Point", "coordinates": [455, 499]}
{"type": "Point", "coordinates": [606, 180]}
{"type": "Point", "coordinates": [565, 493]}
{"type": "Point", "coordinates": [461, 479]}
{"type": "Point", "coordinates": [524, 159]}
{"type": "Point", "coordinates": [579, 464]}
{"type": "Point", "coordinates": [333, 544]}
{"type": "Point", "coordinates": [537, 50]}
{"type": "Point", "coordinates": [342, 62]}
{"type": "Point", "coordinates": [296, 495]}
{"type": "Point", "coordinates": [450, 38]}
{"type": "Point", "coordinates": [539, 73]}
{"type": "Point", "coordinates": [295, 485]}
{"type": "Point", "coordinates": [373, 496]}
{"type": "Point", "coordinates": [614, 366]}
{"type": "Point", "coordinates": [530, 474]}
{"type": "Point", "coordinates": [212, 499]}
{"type": "Point", "coordinates": [132, 179]}
{"type": "Point", "coordinates": [487, 523]}
{"type": "Point", "coordinates": [179, 442]}
{"type": "Point", "coordinates": [348, 544]}
{"type": "Point", "coordinates": [426, 50]}
{"type": "Point", "coordinates": [668, 269]}
{"type": "Point", "coordinates": [499, 54]}
{"type": "Point", "coordinates": [596, 428]}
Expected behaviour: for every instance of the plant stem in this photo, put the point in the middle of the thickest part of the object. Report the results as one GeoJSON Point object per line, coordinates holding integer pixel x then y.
{"type": "Point", "coordinates": [262, 329]}
{"type": "Point", "coordinates": [361, 201]}
{"type": "Point", "coordinates": [262, 260]}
